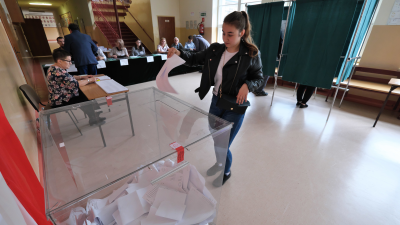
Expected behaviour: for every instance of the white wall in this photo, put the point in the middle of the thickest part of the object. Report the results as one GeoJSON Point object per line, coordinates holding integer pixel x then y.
{"type": "Point", "coordinates": [196, 6]}
{"type": "Point", "coordinates": [165, 8]}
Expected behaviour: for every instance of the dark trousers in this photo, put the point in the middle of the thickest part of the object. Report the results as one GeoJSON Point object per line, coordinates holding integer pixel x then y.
{"type": "Point", "coordinates": [87, 69]}
{"type": "Point", "coordinates": [89, 110]}
{"type": "Point", "coordinates": [236, 119]}
{"type": "Point", "coordinates": [309, 90]}
{"type": "Point", "coordinates": [261, 88]}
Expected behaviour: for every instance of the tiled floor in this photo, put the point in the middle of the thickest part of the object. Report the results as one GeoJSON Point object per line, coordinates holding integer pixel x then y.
{"type": "Point", "coordinates": [291, 167]}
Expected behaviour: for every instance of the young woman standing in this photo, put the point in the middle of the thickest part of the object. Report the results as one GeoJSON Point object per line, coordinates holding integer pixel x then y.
{"type": "Point", "coordinates": [234, 69]}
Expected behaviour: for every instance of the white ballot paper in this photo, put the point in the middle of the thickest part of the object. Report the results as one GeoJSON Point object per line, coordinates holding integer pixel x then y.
{"type": "Point", "coordinates": [198, 208]}
{"type": "Point", "coordinates": [102, 64]}
{"type": "Point", "coordinates": [150, 59]}
{"type": "Point", "coordinates": [163, 57]}
{"type": "Point", "coordinates": [72, 68]}
{"type": "Point", "coordinates": [47, 65]}
{"type": "Point", "coordinates": [162, 77]}
{"type": "Point", "coordinates": [77, 216]}
{"type": "Point", "coordinates": [141, 192]}
{"type": "Point", "coordinates": [152, 219]}
{"type": "Point", "coordinates": [106, 213]}
{"type": "Point", "coordinates": [117, 193]}
{"type": "Point", "coordinates": [123, 62]}
{"type": "Point", "coordinates": [196, 178]}
{"type": "Point", "coordinates": [111, 86]}
{"type": "Point", "coordinates": [171, 210]}
{"type": "Point", "coordinates": [117, 217]}
{"type": "Point", "coordinates": [164, 194]}
{"type": "Point", "coordinates": [130, 208]}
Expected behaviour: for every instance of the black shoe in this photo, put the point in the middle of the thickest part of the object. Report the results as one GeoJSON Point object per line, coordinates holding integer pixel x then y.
{"type": "Point", "coordinates": [298, 103]}
{"type": "Point", "coordinates": [303, 105]}
{"type": "Point", "coordinates": [218, 182]}
{"type": "Point", "coordinates": [214, 169]}
{"type": "Point", "coordinates": [97, 122]}
{"type": "Point", "coordinates": [261, 93]}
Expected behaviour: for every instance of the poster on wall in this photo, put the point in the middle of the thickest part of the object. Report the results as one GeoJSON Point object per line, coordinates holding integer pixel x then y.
{"type": "Point", "coordinates": [47, 21]}
{"type": "Point", "coordinates": [394, 17]}
{"type": "Point", "coordinates": [66, 19]}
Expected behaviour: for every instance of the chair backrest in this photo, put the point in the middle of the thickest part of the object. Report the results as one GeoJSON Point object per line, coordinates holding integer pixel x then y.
{"type": "Point", "coordinates": [31, 95]}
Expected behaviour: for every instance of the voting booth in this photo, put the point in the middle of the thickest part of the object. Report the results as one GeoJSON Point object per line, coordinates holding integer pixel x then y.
{"type": "Point", "coordinates": [145, 164]}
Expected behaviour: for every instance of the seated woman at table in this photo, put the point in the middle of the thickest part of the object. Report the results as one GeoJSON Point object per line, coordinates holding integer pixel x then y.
{"type": "Point", "coordinates": [138, 48]}
{"type": "Point", "coordinates": [64, 88]}
{"type": "Point", "coordinates": [163, 47]}
{"type": "Point", "coordinates": [100, 54]}
{"type": "Point", "coordinates": [176, 44]}
{"type": "Point", "coordinates": [119, 50]}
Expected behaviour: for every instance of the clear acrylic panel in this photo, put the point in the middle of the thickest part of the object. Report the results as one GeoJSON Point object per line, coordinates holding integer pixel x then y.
{"type": "Point", "coordinates": [84, 164]}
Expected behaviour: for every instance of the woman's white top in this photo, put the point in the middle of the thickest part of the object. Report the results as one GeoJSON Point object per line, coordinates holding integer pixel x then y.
{"type": "Point", "coordinates": [101, 53]}
{"type": "Point", "coordinates": [162, 49]}
{"type": "Point", "coordinates": [117, 52]}
{"type": "Point", "coordinates": [218, 75]}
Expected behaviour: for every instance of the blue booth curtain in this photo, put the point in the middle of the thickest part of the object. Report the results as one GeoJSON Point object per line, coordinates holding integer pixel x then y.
{"type": "Point", "coordinates": [354, 21]}
{"type": "Point", "coordinates": [316, 41]}
{"type": "Point", "coordinates": [358, 39]}
{"type": "Point", "coordinates": [266, 21]}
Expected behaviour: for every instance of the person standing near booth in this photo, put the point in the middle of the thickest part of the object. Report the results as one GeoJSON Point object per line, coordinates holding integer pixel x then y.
{"type": "Point", "coordinates": [234, 69]}
{"type": "Point", "coordinates": [82, 49]}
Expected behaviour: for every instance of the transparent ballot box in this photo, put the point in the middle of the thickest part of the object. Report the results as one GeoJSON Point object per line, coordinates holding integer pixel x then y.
{"type": "Point", "coordinates": [140, 157]}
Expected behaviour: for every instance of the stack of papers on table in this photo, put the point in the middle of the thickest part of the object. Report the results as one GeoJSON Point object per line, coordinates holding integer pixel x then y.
{"type": "Point", "coordinates": [111, 86]}
{"type": "Point", "coordinates": [103, 78]}
{"type": "Point", "coordinates": [179, 199]}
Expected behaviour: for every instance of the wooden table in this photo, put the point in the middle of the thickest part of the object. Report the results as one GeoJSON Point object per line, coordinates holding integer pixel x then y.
{"type": "Point", "coordinates": [395, 84]}
{"type": "Point", "coordinates": [93, 91]}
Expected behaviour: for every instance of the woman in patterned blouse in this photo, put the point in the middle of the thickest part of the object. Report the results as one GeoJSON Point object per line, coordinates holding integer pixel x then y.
{"type": "Point", "coordinates": [64, 88]}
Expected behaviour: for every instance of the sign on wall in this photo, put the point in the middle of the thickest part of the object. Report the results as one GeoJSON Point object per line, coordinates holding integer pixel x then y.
{"type": "Point", "coordinates": [47, 21]}
{"type": "Point", "coordinates": [394, 17]}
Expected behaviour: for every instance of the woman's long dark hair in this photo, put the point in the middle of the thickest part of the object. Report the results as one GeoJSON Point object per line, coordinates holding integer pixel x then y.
{"type": "Point", "coordinates": [135, 45]}
{"type": "Point", "coordinates": [240, 20]}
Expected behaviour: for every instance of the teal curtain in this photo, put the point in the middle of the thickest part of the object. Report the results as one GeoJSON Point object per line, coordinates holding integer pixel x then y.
{"type": "Point", "coordinates": [316, 41]}
{"type": "Point", "coordinates": [287, 36]}
{"type": "Point", "coordinates": [266, 25]}
{"type": "Point", "coordinates": [358, 38]}
{"type": "Point", "coordinates": [349, 35]}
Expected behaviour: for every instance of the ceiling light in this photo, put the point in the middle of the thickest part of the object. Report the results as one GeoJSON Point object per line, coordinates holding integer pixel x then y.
{"type": "Point", "coordinates": [39, 4]}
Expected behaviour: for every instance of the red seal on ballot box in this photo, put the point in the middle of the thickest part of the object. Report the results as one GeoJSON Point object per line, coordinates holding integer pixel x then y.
{"type": "Point", "coordinates": [180, 150]}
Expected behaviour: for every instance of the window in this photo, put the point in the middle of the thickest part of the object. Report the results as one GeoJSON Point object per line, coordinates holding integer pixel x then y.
{"type": "Point", "coordinates": [228, 6]}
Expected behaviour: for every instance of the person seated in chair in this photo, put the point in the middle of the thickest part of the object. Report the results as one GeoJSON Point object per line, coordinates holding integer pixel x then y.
{"type": "Point", "coordinates": [190, 45]}
{"type": "Point", "coordinates": [176, 44]}
{"type": "Point", "coordinates": [64, 88]}
{"type": "Point", "coordinates": [138, 48]}
{"type": "Point", "coordinates": [163, 46]}
{"type": "Point", "coordinates": [100, 53]}
{"type": "Point", "coordinates": [119, 51]}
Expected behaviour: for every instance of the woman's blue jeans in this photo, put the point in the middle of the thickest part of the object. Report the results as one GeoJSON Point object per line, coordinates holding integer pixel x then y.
{"type": "Point", "coordinates": [236, 119]}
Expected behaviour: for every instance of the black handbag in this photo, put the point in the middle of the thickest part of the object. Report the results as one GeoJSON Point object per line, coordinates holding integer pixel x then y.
{"type": "Point", "coordinates": [228, 102]}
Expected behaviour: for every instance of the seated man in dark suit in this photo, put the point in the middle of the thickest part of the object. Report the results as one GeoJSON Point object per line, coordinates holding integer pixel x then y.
{"type": "Point", "coordinates": [83, 49]}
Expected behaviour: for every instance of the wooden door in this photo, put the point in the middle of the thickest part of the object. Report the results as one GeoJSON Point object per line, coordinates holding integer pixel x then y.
{"type": "Point", "coordinates": [15, 41]}
{"type": "Point", "coordinates": [166, 28]}
{"type": "Point", "coordinates": [36, 37]}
